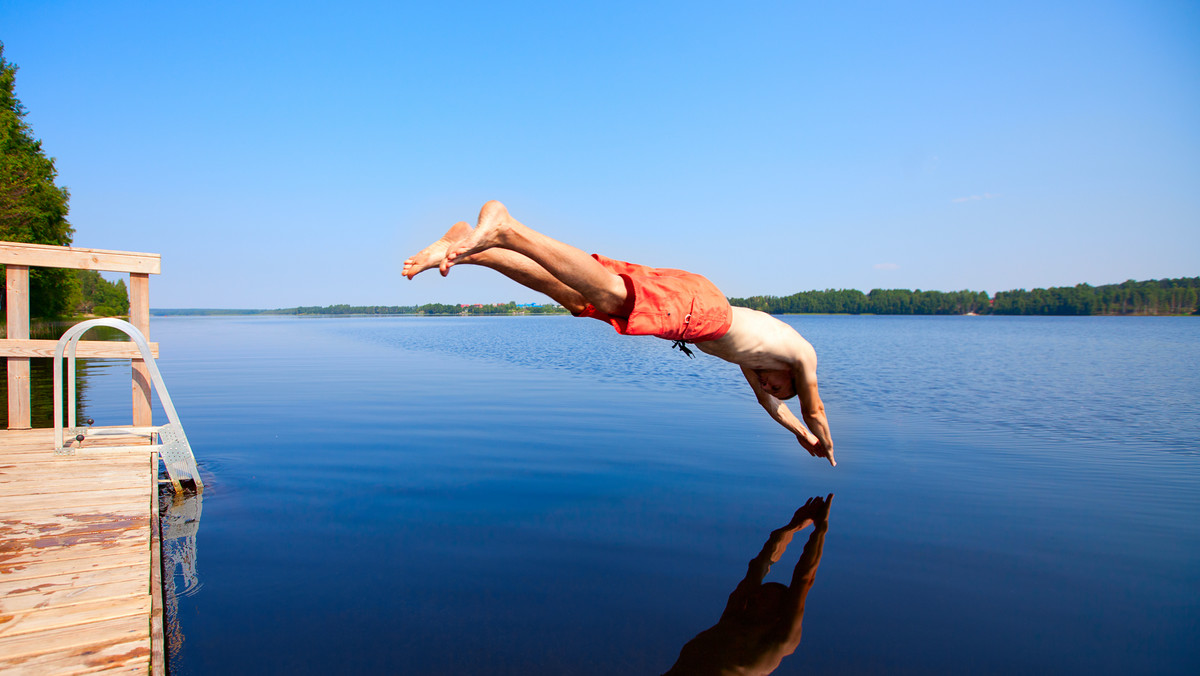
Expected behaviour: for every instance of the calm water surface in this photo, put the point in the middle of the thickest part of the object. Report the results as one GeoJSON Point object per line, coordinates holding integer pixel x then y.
{"type": "Point", "coordinates": [534, 495]}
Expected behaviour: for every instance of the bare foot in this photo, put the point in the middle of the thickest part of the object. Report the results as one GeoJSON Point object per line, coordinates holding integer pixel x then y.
{"type": "Point", "coordinates": [433, 254]}
{"type": "Point", "coordinates": [494, 223]}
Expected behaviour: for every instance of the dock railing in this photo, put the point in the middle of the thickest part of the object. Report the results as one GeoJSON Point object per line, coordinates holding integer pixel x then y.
{"type": "Point", "coordinates": [18, 348]}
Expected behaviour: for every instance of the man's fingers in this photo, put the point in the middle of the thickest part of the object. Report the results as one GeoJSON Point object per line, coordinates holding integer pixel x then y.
{"type": "Point", "coordinates": [816, 449]}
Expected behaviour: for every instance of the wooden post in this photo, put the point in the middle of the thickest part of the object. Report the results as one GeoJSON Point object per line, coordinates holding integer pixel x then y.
{"type": "Point", "coordinates": [139, 316]}
{"type": "Point", "coordinates": [17, 297]}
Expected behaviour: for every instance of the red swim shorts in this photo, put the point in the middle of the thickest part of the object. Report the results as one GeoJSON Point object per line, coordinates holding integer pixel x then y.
{"type": "Point", "coordinates": [667, 303]}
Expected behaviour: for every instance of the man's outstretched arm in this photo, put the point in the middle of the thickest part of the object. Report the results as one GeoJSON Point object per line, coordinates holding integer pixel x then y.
{"type": "Point", "coordinates": [813, 409]}
{"type": "Point", "coordinates": [779, 411]}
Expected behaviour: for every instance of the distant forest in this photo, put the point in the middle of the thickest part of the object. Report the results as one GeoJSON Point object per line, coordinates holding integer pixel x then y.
{"type": "Point", "coordinates": [1155, 297]}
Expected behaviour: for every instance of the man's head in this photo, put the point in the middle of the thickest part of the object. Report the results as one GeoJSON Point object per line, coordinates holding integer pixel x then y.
{"type": "Point", "coordinates": [778, 384]}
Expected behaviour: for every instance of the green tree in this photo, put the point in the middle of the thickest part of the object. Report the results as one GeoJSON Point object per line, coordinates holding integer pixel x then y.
{"type": "Point", "coordinates": [100, 296]}
{"type": "Point", "coordinates": [32, 208]}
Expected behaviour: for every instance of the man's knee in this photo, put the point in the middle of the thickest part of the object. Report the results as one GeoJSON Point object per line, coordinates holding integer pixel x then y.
{"type": "Point", "coordinates": [575, 307]}
{"type": "Point", "coordinates": [618, 298]}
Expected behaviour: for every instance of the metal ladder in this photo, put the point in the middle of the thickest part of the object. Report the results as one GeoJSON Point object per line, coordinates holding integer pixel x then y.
{"type": "Point", "coordinates": [174, 449]}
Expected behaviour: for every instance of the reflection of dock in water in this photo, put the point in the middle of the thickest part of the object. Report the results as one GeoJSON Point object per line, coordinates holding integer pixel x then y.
{"type": "Point", "coordinates": [180, 518]}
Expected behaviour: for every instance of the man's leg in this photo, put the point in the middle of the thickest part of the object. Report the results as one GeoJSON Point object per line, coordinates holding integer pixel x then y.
{"type": "Point", "coordinates": [515, 266]}
{"type": "Point", "coordinates": [499, 232]}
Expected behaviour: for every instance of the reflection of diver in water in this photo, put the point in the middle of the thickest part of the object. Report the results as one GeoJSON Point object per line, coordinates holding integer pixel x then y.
{"type": "Point", "coordinates": [761, 622]}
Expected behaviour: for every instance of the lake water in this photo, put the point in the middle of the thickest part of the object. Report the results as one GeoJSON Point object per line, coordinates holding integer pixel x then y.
{"type": "Point", "coordinates": [538, 495]}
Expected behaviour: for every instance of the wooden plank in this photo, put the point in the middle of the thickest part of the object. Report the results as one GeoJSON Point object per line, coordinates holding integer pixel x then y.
{"type": "Point", "coordinates": [18, 456]}
{"type": "Point", "coordinates": [87, 638]}
{"type": "Point", "coordinates": [125, 547]}
{"type": "Point", "coordinates": [97, 448]}
{"type": "Point", "coordinates": [19, 463]}
{"type": "Point", "coordinates": [28, 530]}
{"type": "Point", "coordinates": [46, 464]}
{"type": "Point", "coordinates": [12, 505]}
{"type": "Point", "coordinates": [49, 464]}
{"type": "Point", "coordinates": [44, 619]}
{"type": "Point", "coordinates": [78, 258]}
{"type": "Point", "coordinates": [64, 486]}
{"type": "Point", "coordinates": [42, 439]}
{"type": "Point", "coordinates": [30, 552]}
{"type": "Point", "coordinates": [65, 582]}
{"type": "Point", "coordinates": [85, 349]}
{"type": "Point", "coordinates": [158, 643]}
{"type": "Point", "coordinates": [99, 517]}
{"type": "Point", "coordinates": [103, 450]}
{"type": "Point", "coordinates": [96, 525]}
{"type": "Point", "coordinates": [129, 667]}
{"type": "Point", "coordinates": [18, 603]}
{"type": "Point", "coordinates": [86, 452]}
{"type": "Point", "coordinates": [40, 477]}
{"type": "Point", "coordinates": [17, 299]}
{"type": "Point", "coordinates": [7, 436]}
{"type": "Point", "coordinates": [129, 657]}
{"type": "Point", "coordinates": [102, 442]}
{"type": "Point", "coordinates": [24, 476]}
{"type": "Point", "coordinates": [97, 444]}
{"type": "Point", "coordinates": [139, 316]}
{"type": "Point", "coordinates": [72, 566]}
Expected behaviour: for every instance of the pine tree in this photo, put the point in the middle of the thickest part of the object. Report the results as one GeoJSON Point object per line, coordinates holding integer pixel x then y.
{"type": "Point", "coordinates": [32, 208]}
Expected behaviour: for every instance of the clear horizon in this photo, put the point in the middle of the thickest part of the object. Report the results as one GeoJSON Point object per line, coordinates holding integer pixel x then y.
{"type": "Point", "coordinates": [549, 302]}
{"type": "Point", "coordinates": [280, 155]}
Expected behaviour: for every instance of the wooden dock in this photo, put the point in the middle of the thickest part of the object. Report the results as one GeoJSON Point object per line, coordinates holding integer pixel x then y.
{"type": "Point", "coordinates": [80, 557]}
{"type": "Point", "coordinates": [80, 566]}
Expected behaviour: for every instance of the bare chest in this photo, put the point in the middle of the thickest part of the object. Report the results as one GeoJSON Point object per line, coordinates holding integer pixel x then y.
{"type": "Point", "coordinates": [750, 354]}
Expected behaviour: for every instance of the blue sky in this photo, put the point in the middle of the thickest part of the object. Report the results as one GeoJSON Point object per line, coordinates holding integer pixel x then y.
{"type": "Point", "coordinates": [281, 154]}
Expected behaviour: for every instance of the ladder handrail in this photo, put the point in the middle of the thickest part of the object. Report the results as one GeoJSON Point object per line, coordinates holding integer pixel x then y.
{"type": "Point", "coordinates": [65, 348]}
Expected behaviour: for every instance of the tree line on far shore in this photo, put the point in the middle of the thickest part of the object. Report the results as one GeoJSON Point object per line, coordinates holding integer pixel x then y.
{"type": "Point", "coordinates": [510, 308]}
{"type": "Point", "coordinates": [1180, 296]}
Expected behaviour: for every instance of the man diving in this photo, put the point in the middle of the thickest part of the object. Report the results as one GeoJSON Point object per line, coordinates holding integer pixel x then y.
{"type": "Point", "coordinates": [638, 300]}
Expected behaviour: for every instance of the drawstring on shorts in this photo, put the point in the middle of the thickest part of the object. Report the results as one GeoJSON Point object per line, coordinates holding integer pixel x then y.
{"type": "Point", "coordinates": [682, 345]}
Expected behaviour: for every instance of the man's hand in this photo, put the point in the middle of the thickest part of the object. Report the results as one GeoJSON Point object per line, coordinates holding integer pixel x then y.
{"type": "Point", "coordinates": [815, 448]}
{"type": "Point", "coordinates": [814, 415]}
